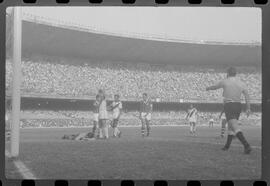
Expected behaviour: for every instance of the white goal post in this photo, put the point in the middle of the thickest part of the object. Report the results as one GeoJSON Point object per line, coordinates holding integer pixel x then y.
{"type": "Point", "coordinates": [16, 83]}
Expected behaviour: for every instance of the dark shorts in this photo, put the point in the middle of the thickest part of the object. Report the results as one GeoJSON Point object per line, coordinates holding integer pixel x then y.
{"type": "Point", "coordinates": [115, 123]}
{"type": "Point", "coordinates": [232, 110]}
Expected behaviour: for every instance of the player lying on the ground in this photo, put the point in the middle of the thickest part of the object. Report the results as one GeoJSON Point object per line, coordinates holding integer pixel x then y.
{"type": "Point", "coordinates": [233, 88]}
{"type": "Point", "coordinates": [145, 114]}
{"type": "Point", "coordinates": [116, 107]}
{"type": "Point", "coordinates": [80, 136]}
{"type": "Point", "coordinates": [192, 115]}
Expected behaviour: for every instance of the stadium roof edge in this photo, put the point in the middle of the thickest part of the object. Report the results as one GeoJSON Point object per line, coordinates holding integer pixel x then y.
{"type": "Point", "coordinates": [78, 27]}
{"type": "Point", "coordinates": [56, 38]}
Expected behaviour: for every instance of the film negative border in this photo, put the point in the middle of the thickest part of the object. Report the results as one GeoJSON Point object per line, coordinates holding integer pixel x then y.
{"type": "Point", "coordinates": [263, 4]}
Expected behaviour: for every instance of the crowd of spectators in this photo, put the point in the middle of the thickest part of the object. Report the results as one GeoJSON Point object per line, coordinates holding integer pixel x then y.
{"type": "Point", "coordinates": [68, 77]}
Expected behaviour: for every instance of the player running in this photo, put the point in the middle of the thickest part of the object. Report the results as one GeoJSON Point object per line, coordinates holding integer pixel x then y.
{"type": "Point", "coordinates": [116, 107]}
{"type": "Point", "coordinates": [233, 88]}
{"type": "Point", "coordinates": [145, 114]}
{"type": "Point", "coordinates": [192, 119]}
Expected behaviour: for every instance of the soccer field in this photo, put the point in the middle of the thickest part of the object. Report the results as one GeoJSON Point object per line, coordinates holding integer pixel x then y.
{"type": "Point", "coordinates": [169, 153]}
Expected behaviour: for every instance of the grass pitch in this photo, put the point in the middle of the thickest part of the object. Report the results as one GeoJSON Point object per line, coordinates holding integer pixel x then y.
{"type": "Point", "coordinates": [169, 153]}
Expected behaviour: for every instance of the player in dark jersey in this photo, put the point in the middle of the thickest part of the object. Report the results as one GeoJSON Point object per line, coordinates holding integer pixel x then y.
{"type": "Point", "coordinates": [145, 114]}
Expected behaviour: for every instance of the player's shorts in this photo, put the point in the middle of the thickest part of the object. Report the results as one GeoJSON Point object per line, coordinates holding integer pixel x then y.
{"type": "Point", "coordinates": [95, 117]}
{"type": "Point", "coordinates": [232, 110]}
{"type": "Point", "coordinates": [192, 120]}
{"type": "Point", "coordinates": [146, 116]}
{"type": "Point", "coordinates": [114, 123]}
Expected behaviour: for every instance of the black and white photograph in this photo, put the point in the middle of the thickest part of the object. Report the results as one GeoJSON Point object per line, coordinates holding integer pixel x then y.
{"type": "Point", "coordinates": [139, 93]}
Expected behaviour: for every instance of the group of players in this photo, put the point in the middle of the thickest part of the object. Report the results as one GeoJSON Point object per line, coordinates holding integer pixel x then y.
{"type": "Point", "coordinates": [232, 86]}
{"type": "Point", "coordinates": [100, 126]}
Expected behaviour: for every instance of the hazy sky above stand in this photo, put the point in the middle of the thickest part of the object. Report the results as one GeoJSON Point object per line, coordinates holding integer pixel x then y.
{"type": "Point", "coordinates": [208, 23]}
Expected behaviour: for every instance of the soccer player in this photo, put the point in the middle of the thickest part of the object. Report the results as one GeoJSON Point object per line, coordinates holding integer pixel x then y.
{"type": "Point", "coordinates": [95, 129]}
{"type": "Point", "coordinates": [103, 116]}
{"type": "Point", "coordinates": [211, 121]}
{"type": "Point", "coordinates": [192, 119]}
{"type": "Point", "coordinates": [233, 88]}
{"type": "Point", "coordinates": [145, 114]}
{"type": "Point", "coordinates": [116, 107]}
{"type": "Point", "coordinates": [223, 123]}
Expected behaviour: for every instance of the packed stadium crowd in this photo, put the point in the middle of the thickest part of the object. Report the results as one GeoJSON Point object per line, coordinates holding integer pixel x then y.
{"type": "Point", "coordinates": [49, 118]}
{"type": "Point", "coordinates": [68, 77]}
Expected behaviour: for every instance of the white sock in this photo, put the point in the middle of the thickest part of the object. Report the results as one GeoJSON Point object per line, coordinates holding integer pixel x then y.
{"type": "Point", "coordinates": [101, 132]}
{"type": "Point", "coordinates": [106, 132]}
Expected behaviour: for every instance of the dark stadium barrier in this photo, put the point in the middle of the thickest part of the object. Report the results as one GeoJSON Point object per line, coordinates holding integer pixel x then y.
{"type": "Point", "coordinates": [29, 103]}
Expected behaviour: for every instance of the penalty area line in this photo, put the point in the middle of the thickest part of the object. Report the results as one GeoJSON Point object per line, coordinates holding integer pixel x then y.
{"type": "Point", "coordinates": [22, 168]}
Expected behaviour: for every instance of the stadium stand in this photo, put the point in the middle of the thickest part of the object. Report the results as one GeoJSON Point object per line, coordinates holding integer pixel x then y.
{"type": "Point", "coordinates": [62, 77]}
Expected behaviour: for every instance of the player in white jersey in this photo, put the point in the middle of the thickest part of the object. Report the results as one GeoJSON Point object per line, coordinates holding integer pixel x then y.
{"type": "Point", "coordinates": [103, 116]}
{"type": "Point", "coordinates": [192, 119]}
{"type": "Point", "coordinates": [116, 107]}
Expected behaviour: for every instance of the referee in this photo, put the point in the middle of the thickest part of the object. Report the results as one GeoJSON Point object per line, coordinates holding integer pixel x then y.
{"type": "Point", "coordinates": [233, 88]}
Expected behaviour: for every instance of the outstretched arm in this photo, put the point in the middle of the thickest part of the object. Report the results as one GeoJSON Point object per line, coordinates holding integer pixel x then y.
{"type": "Point", "coordinates": [214, 87]}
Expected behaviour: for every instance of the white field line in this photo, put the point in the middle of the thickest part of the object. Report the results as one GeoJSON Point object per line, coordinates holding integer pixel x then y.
{"type": "Point", "coordinates": [24, 171]}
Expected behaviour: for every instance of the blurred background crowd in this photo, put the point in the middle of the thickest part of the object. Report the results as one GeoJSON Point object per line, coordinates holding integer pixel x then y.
{"type": "Point", "coordinates": [78, 78]}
